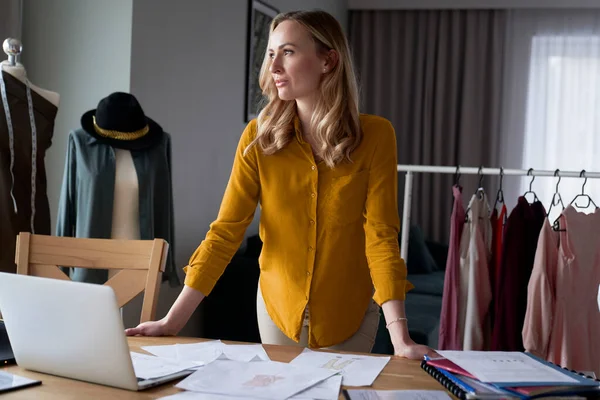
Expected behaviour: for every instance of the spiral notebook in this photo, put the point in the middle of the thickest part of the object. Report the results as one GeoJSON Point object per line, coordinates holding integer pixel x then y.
{"type": "Point", "coordinates": [467, 387]}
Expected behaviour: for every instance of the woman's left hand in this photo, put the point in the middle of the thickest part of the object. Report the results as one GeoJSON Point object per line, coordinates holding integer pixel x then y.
{"type": "Point", "coordinates": [413, 351]}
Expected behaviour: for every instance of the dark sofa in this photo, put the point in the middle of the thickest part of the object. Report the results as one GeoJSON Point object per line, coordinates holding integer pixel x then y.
{"type": "Point", "coordinates": [229, 312]}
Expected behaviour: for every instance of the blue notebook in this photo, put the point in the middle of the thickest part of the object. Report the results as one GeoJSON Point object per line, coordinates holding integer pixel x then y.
{"type": "Point", "coordinates": [466, 388]}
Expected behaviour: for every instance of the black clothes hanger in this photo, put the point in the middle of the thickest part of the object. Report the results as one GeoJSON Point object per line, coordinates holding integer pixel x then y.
{"type": "Point", "coordinates": [556, 197]}
{"type": "Point", "coordinates": [583, 194]}
{"type": "Point", "coordinates": [500, 197]}
{"type": "Point", "coordinates": [530, 191]}
{"type": "Point", "coordinates": [457, 177]}
{"type": "Point", "coordinates": [500, 194]}
{"type": "Point", "coordinates": [480, 192]}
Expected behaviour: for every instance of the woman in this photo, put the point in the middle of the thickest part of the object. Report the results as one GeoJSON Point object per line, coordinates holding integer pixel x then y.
{"type": "Point", "coordinates": [326, 180]}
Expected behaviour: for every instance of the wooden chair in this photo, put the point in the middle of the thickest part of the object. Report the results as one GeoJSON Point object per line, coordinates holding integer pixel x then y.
{"type": "Point", "coordinates": [141, 262]}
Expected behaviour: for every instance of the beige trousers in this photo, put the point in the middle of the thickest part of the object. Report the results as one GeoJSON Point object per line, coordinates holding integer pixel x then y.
{"type": "Point", "coordinates": [362, 341]}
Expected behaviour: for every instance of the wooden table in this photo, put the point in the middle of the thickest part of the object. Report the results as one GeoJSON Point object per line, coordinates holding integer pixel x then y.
{"type": "Point", "coordinates": [398, 374]}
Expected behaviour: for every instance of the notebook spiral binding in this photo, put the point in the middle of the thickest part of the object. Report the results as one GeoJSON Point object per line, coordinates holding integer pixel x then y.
{"type": "Point", "coordinates": [574, 372]}
{"type": "Point", "coordinates": [444, 380]}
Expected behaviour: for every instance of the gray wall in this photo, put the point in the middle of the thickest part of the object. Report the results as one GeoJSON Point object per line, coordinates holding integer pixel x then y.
{"type": "Point", "coordinates": [69, 48]}
{"type": "Point", "coordinates": [455, 4]}
{"type": "Point", "coordinates": [187, 69]}
{"type": "Point", "coordinates": [10, 20]}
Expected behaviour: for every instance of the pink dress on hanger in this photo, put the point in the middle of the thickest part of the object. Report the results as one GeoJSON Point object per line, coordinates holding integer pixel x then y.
{"type": "Point", "coordinates": [562, 322]}
{"type": "Point", "coordinates": [450, 337]}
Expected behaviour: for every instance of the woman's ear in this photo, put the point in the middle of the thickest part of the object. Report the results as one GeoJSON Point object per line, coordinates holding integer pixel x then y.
{"type": "Point", "coordinates": [331, 60]}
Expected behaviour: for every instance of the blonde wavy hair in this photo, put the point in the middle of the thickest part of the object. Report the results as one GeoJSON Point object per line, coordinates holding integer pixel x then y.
{"type": "Point", "coordinates": [335, 123]}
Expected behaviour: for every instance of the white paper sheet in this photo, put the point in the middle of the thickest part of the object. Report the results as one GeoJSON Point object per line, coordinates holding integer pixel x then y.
{"type": "Point", "coordinates": [398, 395]}
{"type": "Point", "coordinates": [207, 352]}
{"type": "Point", "coordinates": [148, 367]}
{"type": "Point", "coordinates": [329, 389]}
{"type": "Point", "coordinates": [263, 379]}
{"type": "Point", "coordinates": [505, 366]}
{"type": "Point", "coordinates": [357, 370]}
{"type": "Point", "coordinates": [187, 395]}
{"type": "Point", "coordinates": [245, 352]}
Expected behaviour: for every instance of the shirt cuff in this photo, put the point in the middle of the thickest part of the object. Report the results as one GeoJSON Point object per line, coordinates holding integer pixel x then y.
{"type": "Point", "coordinates": [198, 281]}
{"type": "Point", "coordinates": [394, 290]}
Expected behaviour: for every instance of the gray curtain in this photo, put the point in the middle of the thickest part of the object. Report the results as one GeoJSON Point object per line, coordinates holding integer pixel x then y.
{"type": "Point", "coordinates": [436, 75]}
{"type": "Point", "coordinates": [10, 21]}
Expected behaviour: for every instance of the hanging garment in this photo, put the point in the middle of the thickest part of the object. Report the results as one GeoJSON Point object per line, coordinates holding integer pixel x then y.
{"type": "Point", "coordinates": [450, 337]}
{"type": "Point", "coordinates": [87, 196]}
{"type": "Point", "coordinates": [510, 294]}
{"type": "Point", "coordinates": [26, 129]}
{"type": "Point", "coordinates": [497, 220]}
{"type": "Point", "coordinates": [562, 321]}
{"type": "Point", "coordinates": [475, 292]}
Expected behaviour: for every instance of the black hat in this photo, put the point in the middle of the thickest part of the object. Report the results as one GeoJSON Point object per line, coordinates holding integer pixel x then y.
{"type": "Point", "coordinates": [119, 121]}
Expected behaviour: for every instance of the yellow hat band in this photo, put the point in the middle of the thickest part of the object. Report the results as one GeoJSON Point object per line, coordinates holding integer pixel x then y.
{"type": "Point", "coordinates": [120, 135]}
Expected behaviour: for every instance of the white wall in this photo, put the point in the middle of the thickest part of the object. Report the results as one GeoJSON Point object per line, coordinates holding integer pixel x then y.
{"type": "Point", "coordinates": [188, 71]}
{"type": "Point", "coordinates": [455, 4]}
{"type": "Point", "coordinates": [80, 49]}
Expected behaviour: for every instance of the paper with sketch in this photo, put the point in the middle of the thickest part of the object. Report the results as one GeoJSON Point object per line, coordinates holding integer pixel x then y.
{"type": "Point", "coordinates": [505, 366]}
{"type": "Point", "coordinates": [207, 352]}
{"type": "Point", "coordinates": [398, 395]}
{"type": "Point", "coordinates": [357, 370]}
{"type": "Point", "coordinates": [264, 379]}
{"type": "Point", "coordinates": [148, 367]}
{"type": "Point", "coordinates": [329, 389]}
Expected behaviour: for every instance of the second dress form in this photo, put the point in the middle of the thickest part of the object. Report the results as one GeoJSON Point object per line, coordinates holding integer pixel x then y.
{"type": "Point", "coordinates": [126, 204]}
{"type": "Point", "coordinates": [126, 220]}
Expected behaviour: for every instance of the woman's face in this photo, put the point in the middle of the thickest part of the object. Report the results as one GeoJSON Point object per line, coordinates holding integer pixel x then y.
{"type": "Point", "coordinates": [296, 66]}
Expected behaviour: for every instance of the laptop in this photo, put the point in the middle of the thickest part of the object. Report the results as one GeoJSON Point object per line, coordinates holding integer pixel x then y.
{"type": "Point", "coordinates": [6, 354]}
{"type": "Point", "coordinates": [70, 329]}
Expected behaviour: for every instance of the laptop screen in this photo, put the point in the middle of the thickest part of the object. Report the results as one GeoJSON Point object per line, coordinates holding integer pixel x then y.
{"type": "Point", "coordinates": [6, 354]}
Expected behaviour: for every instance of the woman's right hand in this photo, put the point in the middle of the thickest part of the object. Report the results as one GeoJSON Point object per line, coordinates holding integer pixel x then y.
{"type": "Point", "coordinates": [176, 318]}
{"type": "Point", "coordinates": [150, 328]}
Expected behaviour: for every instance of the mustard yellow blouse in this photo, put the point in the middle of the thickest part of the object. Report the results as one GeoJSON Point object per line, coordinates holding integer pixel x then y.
{"type": "Point", "coordinates": [330, 236]}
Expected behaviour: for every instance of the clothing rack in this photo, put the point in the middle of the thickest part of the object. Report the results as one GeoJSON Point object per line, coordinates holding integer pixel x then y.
{"type": "Point", "coordinates": [459, 170]}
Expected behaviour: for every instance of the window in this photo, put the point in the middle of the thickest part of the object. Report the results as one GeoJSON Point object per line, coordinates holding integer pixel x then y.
{"type": "Point", "coordinates": [562, 124]}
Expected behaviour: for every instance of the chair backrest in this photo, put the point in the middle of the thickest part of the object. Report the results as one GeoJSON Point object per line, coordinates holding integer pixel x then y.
{"type": "Point", "coordinates": [141, 262]}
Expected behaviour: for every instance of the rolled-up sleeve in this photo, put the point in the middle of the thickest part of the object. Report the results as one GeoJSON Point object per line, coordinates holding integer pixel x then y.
{"type": "Point", "coordinates": [226, 233]}
{"type": "Point", "coordinates": [382, 223]}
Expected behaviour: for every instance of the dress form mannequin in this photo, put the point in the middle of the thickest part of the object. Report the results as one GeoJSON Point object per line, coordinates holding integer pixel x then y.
{"type": "Point", "coordinates": [13, 48]}
{"type": "Point", "coordinates": [26, 130]}
{"type": "Point", "coordinates": [126, 220]}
